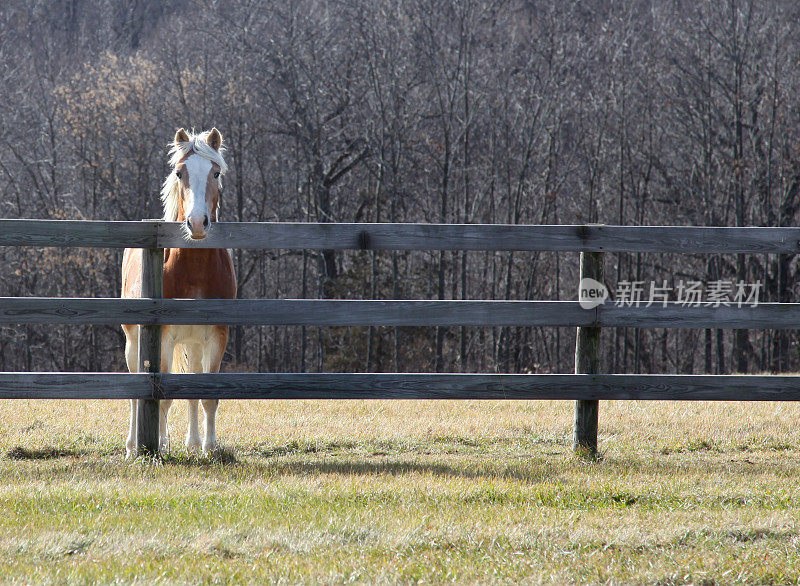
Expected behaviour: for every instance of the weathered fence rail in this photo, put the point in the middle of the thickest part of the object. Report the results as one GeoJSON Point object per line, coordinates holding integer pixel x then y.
{"type": "Point", "coordinates": [661, 387]}
{"type": "Point", "coordinates": [330, 312]}
{"type": "Point", "coordinates": [587, 386]}
{"type": "Point", "coordinates": [365, 236]}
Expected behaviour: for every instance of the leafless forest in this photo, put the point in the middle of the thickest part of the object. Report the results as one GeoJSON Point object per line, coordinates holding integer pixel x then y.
{"type": "Point", "coordinates": [538, 111]}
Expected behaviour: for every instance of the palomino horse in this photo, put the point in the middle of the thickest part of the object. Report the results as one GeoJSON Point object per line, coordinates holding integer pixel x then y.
{"type": "Point", "coordinates": [190, 195]}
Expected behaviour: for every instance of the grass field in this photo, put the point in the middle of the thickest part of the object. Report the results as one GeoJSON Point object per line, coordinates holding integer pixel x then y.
{"type": "Point", "coordinates": [381, 491]}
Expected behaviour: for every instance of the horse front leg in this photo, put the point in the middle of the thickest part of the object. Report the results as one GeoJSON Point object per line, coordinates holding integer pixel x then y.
{"type": "Point", "coordinates": [193, 430]}
{"type": "Point", "coordinates": [195, 360]}
{"type": "Point", "coordinates": [167, 350]}
{"type": "Point", "coordinates": [130, 444]}
{"type": "Point", "coordinates": [213, 352]}
{"type": "Point", "coordinates": [132, 360]}
{"type": "Point", "coordinates": [210, 443]}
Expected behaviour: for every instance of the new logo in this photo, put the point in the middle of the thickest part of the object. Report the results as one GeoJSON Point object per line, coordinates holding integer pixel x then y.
{"type": "Point", "coordinates": [591, 293]}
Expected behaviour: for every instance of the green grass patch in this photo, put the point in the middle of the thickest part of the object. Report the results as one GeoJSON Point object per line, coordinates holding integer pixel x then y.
{"type": "Point", "coordinates": [416, 492]}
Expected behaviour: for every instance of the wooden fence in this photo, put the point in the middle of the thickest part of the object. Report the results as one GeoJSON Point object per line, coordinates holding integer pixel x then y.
{"type": "Point", "coordinates": [586, 387]}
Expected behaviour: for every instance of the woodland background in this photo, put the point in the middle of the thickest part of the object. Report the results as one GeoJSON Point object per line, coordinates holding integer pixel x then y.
{"type": "Point", "coordinates": [539, 111]}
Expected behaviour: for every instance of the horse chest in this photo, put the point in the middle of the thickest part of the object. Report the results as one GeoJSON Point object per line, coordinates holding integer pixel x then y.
{"type": "Point", "coordinates": [199, 274]}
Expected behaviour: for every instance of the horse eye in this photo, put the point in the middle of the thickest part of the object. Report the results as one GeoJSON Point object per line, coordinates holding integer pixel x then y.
{"type": "Point", "coordinates": [178, 174]}
{"type": "Point", "coordinates": [216, 175]}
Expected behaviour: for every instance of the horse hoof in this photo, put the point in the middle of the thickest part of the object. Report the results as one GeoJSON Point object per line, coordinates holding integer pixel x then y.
{"type": "Point", "coordinates": [193, 445]}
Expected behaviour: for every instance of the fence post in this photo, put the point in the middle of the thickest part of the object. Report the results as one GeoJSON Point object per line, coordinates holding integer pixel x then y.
{"type": "Point", "coordinates": [147, 411]}
{"type": "Point", "coordinates": [587, 361]}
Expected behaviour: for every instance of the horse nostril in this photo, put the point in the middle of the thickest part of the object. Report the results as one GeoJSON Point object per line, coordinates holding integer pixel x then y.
{"type": "Point", "coordinates": [188, 224]}
{"type": "Point", "coordinates": [205, 222]}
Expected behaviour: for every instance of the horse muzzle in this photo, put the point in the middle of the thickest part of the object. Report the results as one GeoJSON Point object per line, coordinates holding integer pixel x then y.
{"type": "Point", "coordinates": [197, 228]}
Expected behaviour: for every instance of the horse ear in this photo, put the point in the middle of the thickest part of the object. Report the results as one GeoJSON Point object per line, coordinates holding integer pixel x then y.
{"type": "Point", "coordinates": [181, 136]}
{"type": "Point", "coordinates": [214, 139]}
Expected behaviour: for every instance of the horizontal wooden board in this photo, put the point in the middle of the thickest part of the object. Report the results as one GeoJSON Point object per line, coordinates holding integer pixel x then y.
{"type": "Point", "coordinates": [675, 315]}
{"type": "Point", "coordinates": [289, 312]}
{"type": "Point", "coordinates": [48, 385]}
{"type": "Point", "coordinates": [386, 236]}
{"type": "Point", "coordinates": [64, 233]}
{"type": "Point", "coordinates": [326, 312]}
{"type": "Point", "coordinates": [75, 385]}
{"type": "Point", "coordinates": [596, 238]}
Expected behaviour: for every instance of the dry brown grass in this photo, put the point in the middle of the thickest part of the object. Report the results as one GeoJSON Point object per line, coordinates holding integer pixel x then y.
{"type": "Point", "coordinates": [382, 491]}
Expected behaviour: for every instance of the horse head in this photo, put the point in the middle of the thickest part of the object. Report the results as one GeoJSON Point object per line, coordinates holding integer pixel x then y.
{"type": "Point", "coordinates": [191, 191]}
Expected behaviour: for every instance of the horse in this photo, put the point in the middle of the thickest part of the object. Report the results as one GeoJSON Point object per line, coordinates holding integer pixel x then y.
{"type": "Point", "coordinates": [190, 195]}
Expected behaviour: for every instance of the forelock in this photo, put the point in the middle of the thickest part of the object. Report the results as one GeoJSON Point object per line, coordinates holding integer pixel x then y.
{"type": "Point", "coordinates": [198, 143]}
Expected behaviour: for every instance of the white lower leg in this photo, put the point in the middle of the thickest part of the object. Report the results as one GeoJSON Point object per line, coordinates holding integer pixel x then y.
{"type": "Point", "coordinates": [167, 352]}
{"type": "Point", "coordinates": [130, 445]}
{"type": "Point", "coordinates": [193, 433]}
{"type": "Point", "coordinates": [131, 358]}
{"type": "Point", "coordinates": [210, 411]}
{"type": "Point", "coordinates": [163, 425]}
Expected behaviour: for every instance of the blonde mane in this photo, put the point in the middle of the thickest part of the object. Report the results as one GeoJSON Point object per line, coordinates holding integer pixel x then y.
{"type": "Point", "coordinates": [197, 143]}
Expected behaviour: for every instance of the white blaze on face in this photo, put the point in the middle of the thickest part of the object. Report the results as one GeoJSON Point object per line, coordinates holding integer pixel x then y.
{"type": "Point", "coordinates": [197, 212]}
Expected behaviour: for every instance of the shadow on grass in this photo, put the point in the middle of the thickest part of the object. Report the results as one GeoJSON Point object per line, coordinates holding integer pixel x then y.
{"type": "Point", "coordinates": [400, 468]}
{"type": "Point", "coordinates": [359, 468]}
{"type": "Point", "coordinates": [47, 453]}
{"type": "Point", "coordinates": [220, 456]}
{"type": "Point", "coordinates": [537, 470]}
{"type": "Point", "coordinates": [349, 459]}
{"type": "Point", "coordinates": [345, 459]}
{"type": "Point", "coordinates": [697, 463]}
{"type": "Point", "coordinates": [359, 465]}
